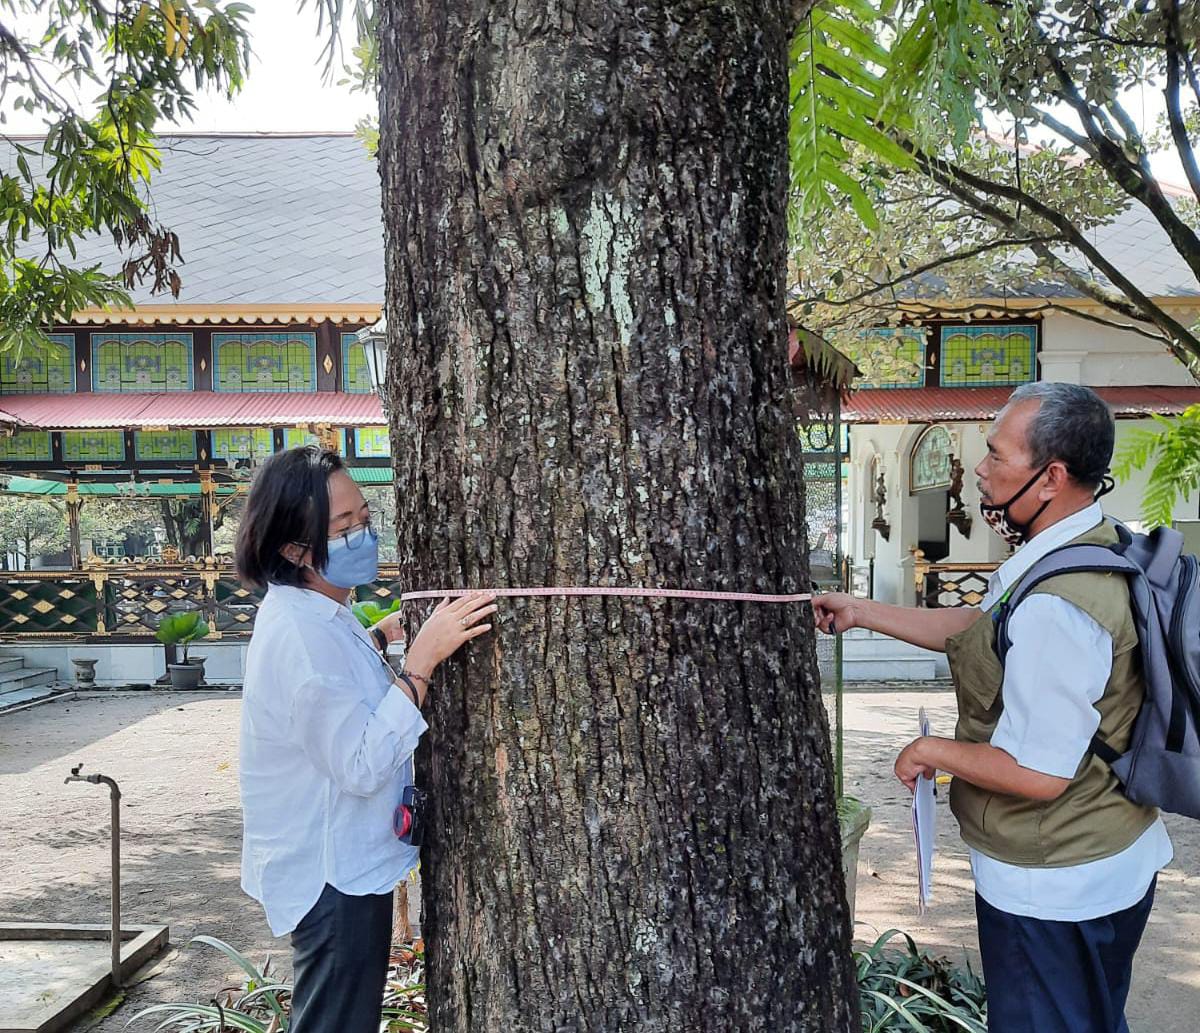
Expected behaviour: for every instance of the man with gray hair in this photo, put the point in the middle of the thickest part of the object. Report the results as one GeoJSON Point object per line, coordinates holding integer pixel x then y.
{"type": "Point", "coordinates": [1065, 864]}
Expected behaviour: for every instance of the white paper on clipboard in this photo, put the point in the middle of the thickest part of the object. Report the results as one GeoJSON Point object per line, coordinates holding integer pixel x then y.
{"type": "Point", "coordinates": [924, 821]}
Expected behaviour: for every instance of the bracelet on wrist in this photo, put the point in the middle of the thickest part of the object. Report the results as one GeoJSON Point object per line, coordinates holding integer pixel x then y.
{"type": "Point", "coordinates": [416, 696]}
{"type": "Point", "coordinates": [413, 674]}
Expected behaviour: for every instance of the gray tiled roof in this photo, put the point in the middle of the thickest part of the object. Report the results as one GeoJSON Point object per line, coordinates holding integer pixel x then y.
{"type": "Point", "coordinates": [1139, 247]}
{"type": "Point", "coordinates": [295, 219]}
{"type": "Point", "coordinates": [266, 220]}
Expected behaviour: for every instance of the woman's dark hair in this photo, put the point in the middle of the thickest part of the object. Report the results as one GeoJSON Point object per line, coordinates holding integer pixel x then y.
{"type": "Point", "coordinates": [288, 505]}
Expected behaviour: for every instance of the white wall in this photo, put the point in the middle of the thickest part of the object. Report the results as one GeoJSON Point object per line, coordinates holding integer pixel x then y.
{"type": "Point", "coordinates": [130, 664]}
{"type": "Point", "coordinates": [1073, 350]}
{"type": "Point", "coordinates": [1082, 352]}
{"type": "Point", "coordinates": [893, 558]}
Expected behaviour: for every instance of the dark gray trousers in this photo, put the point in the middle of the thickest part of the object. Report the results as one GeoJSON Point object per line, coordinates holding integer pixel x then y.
{"type": "Point", "coordinates": [1059, 977]}
{"type": "Point", "coordinates": [340, 954]}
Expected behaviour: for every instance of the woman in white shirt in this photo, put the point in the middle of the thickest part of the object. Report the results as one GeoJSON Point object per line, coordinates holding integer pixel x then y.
{"type": "Point", "coordinates": [328, 734]}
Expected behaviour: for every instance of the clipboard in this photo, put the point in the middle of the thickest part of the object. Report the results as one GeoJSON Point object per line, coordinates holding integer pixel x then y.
{"type": "Point", "coordinates": [924, 823]}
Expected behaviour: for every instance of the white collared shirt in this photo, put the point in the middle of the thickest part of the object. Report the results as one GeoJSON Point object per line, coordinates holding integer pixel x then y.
{"type": "Point", "coordinates": [326, 751]}
{"type": "Point", "coordinates": [1054, 674]}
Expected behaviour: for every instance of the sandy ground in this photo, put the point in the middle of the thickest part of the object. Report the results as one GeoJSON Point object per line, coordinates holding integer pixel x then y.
{"type": "Point", "coordinates": [1165, 995]}
{"type": "Point", "coordinates": [175, 755]}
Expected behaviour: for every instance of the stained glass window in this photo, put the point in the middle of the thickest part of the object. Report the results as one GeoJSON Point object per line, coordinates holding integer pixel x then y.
{"type": "Point", "coordinates": [141, 362]}
{"type": "Point", "coordinates": [889, 356]}
{"type": "Point", "coordinates": [355, 378]}
{"type": "Point", "coordinates": [931, 460]}
{"type": "Point", "coordinates": [246, 443]}
{"type": "Point", "coordinates": [164, 444]}
{"type": "Point", "coordinates": [93, 446]}
{"type": "Point", "coordinates": [264, 362]}
{"type": "Point", "coordinates": [31, 446]}
{"type": "Point", "coordinates": [372, 443]}
{"type": "Point", "coordinates": [293, 437]}
{"type": "Point", "coordinates": [46, 369]}
{"type": "Point", "coordinates": [988, 356]}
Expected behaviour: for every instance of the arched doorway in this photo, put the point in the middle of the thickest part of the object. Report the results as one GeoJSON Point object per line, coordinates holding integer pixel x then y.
{"type": "Point", "coordinates": [930, 473]}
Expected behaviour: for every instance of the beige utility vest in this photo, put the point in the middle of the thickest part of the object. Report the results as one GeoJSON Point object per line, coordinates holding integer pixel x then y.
{"type": "Point", "coordinates": [1092, 818]}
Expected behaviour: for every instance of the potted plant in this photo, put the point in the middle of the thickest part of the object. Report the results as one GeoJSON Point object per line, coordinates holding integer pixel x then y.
{"type": "Point", "coordinates": [370, 613]}
{"type": "Point", "coordinates": [182, 629]}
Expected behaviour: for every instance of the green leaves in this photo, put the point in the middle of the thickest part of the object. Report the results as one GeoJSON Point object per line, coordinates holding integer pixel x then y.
{"type": "Point", "coordinates": [869, 77]}
{"type": "Point", "coordinates": [90, 173]}
{"type": "Point", "coordinates": [176, 629]}
{"type": "Point", "coordinates": [371, 613]}
{"type": "Point", "coordinates": [912, 991]}
{"type": "Point", "coordinates": [1175, 450]}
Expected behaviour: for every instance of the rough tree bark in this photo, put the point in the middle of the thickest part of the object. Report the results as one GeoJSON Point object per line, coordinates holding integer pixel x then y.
{"type": "Point", "coordinates": [633, 824]}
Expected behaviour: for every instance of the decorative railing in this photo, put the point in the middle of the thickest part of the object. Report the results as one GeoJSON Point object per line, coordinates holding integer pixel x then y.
{"type": "Point", "coordinates": [950, 584]}
{"type": "Point", "coordinates": [123, 602]}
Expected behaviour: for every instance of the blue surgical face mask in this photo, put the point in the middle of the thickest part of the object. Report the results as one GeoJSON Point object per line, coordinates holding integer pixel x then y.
{"type": "Point", "coordinates": [352, 565]}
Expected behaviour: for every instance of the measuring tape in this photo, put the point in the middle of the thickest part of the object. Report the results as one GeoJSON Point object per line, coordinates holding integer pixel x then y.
{"type": "Point", "coordinates": [623, 593]}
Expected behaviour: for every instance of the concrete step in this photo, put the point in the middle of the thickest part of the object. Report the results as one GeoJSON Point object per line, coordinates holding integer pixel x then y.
{"type": "Point", "coordinates": [880, 648]}
{"type": "Point", "coordinates": [10, 663]}
{"type": "Point", "coordinates": [26, 678]}
{"type": "Point", "coordinates": [23, 697]}
{"type": "Point", "coordinates": [896, 668]}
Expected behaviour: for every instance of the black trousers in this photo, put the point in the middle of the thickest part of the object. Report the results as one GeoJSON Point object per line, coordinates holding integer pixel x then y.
{"type": "Point", "coordinates": [339, 961]}
{"type": "Point", "coordinates": [1059, 977]}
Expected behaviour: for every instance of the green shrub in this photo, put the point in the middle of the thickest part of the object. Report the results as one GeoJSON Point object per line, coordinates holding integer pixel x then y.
{"type": "Point", "coordinates": [912, 991]}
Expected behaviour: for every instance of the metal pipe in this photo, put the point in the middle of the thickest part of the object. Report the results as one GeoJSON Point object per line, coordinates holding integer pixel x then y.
{"type": "Point", "coordinates": [115, 825]}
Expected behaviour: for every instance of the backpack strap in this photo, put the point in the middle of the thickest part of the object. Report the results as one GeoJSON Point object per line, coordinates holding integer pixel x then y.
{"type": "Point", "coordinates": [1067, 559]}
{"type": "Point", "coordinates": [1102, 750]}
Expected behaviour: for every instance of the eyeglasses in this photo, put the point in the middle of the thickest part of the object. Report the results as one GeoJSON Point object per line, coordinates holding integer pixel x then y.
{"type": "Point", "coordinates": [353, 536]}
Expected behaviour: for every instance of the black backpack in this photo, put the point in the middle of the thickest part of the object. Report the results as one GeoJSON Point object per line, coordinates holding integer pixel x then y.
{"type": "Point", "coordinates": [1161, 768]}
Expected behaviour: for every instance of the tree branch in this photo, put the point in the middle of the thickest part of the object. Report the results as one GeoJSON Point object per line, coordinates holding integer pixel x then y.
{"type": "Point", "coordinates": [1183, 144]}
{"type": "Point", "coordinates": [1135, 179]}
{"type": "Point", "coordinates": [1181, 341]}
{"type": "Point", "coordinates": [921, 270]}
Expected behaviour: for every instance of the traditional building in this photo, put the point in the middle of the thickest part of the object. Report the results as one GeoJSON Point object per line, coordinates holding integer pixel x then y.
{"type": "Point", "coordinates": [916, 435]}
{"type": "Point", "coordinates": [179, 399]}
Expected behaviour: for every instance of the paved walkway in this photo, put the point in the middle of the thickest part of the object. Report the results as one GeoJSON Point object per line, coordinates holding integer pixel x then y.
{"type": "Point", "coordinates": [175, 755]}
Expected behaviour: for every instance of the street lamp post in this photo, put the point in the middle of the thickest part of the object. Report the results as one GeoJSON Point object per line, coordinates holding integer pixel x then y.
{"type": "Point", "coordinates": [373, 338]}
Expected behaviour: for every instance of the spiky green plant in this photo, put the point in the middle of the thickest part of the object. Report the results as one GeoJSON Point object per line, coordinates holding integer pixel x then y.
{"type": "Point", "coordinates": [1174, 448]}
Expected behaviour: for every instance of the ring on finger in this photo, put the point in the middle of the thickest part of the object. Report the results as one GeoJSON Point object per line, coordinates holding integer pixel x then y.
{"type": "Point", "coordinates": [462, 621]}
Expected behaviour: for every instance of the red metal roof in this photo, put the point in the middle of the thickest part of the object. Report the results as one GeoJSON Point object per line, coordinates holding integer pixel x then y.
{"type": "Point", "coordinates": [187, 410]}
{"type": "Point", "coordinates": [934, 404]}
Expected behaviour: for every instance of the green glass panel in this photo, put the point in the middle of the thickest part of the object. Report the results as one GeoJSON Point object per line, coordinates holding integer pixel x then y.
{"type": "Point", "coordinates": [93, 446]}
{"type": "Point", "coordinates": [355, 378]}
{"type": "Point", "coordinates": [370, 475]}
{"type": "Point", "coordinates": [164, 444]}
{"type": "Point", "coordinates": [46, 369]}
{"type": "Point", "coordinates": [234, 443]}
{"type": "Point", "coordinates": [988, 356]}
{"type": "Point", "coordinates": [891, 356]}
{"type": "Point", "coordinates": [372, 443]}
{"type": "Point", "coordinates": [141, 362]}
{"type": "Point", "coordinates": [294, 437]}
{"type": "Point", "coordinates": [264, 362]}
{"type": "Point", "coordinates": [31, 446]}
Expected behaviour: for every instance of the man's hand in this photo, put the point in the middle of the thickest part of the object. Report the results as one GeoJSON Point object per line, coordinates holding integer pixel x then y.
{"type": "Point", "coordinates": [392, 627]}
{"type": "Point", "coordinates": [837, 611]}
{"type": "Point", "coordinates": [911, 763]}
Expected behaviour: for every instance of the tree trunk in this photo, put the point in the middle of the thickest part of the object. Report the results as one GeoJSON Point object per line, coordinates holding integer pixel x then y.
{"type": "Point", "coordinates": [633, 822]}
